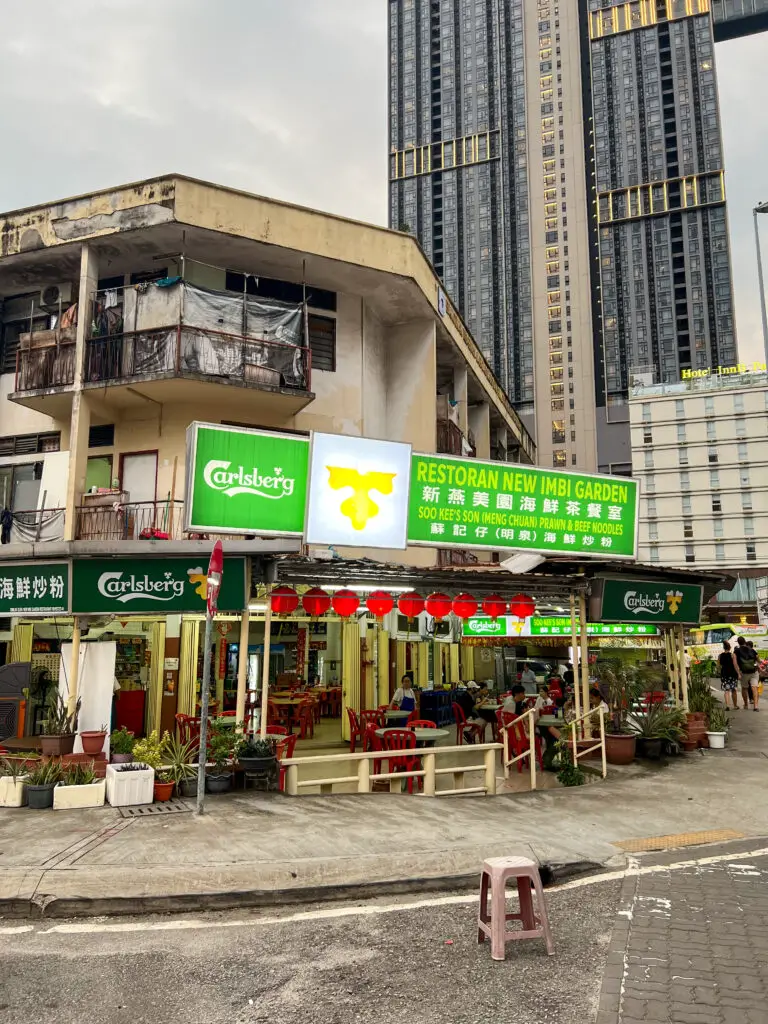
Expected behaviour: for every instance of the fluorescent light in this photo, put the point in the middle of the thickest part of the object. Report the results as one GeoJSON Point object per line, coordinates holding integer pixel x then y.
{"type": "Point", "coordinates": [522, 562]}
{"type": "Point", "coordinates": [260, 607]}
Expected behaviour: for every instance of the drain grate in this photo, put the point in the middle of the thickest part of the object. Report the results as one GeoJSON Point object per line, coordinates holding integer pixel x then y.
{"type": "Point", "coordinates": [173, 806]}
{"type": "Point", "coordinates": [675, 841]}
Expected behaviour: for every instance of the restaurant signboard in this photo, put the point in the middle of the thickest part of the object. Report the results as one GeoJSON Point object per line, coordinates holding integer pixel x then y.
{"type": "Point", "coordinates": [34, 588]}
{"type": "Point", "coordinates": [551, 625]}
{"type": "Point", "coordinates": [245, 481]}
{"type": "Point", "coordinates": [153, 586]}
{"type": "Point", "coordinates": [651, 601]}
{"type": "Point", "coordinates": [466, 503]}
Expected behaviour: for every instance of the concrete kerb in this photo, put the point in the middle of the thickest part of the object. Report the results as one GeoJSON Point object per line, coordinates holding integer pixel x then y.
{"type": "Point", "coordinates": [41, 906]}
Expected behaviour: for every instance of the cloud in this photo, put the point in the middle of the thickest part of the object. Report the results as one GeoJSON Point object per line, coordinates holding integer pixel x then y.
{"type": "Point", "coordinates": [286, 98]}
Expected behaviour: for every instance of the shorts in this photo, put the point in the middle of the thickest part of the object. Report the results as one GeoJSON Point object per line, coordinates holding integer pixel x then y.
{"type": "Point", "coordinates": [749, 681]}
{"type": "Point", "coordinates": [729, 684]}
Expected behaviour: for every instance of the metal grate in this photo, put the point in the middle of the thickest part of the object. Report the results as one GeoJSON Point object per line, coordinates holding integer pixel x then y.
{"type": "Point", "coordinates": [173, 806]}
{"type": "Point", "coordinates": [675, 841]}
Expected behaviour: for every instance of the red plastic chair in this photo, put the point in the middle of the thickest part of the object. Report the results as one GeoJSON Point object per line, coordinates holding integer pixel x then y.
{"type": "Point", "coordinates": [305, 719]}
{"type": "Point", "coordinates": [284, 750]}
{"type": "Point", "coordinates": [355, 730]}
{"type": "Point", "coordinates": [373, 742]}
{"type": "Point", "coordinates": [277, 730]}
{"type": "Point", "coordinates": [519, 742]}
{"type": "Point", "coordinates": [421, 723]}
{"type": "Point", "coordinates": [462, 725]}
{"type": "Point", "coordinates": [402, 739]}
{"type": "Point", "coordinates": [372, 718]}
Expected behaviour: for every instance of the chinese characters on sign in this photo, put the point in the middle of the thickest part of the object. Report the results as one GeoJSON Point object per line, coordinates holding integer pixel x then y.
{"type": "Point", "coordinates": [34, 587]}
{"type": "Point", "coordinates": [467, 503]}
{"type": "Point", "coordinates": [555, 625]}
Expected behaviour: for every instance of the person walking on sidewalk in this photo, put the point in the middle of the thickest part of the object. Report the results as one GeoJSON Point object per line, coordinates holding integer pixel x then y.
{"type": "Point", "coordinates": [746, 657]}
{"type": "Point", "coordinates": [729, 675]}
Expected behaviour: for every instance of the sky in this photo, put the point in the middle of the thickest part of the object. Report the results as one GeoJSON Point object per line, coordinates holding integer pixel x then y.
{"type": "Point", "coordinates": [285, 98]}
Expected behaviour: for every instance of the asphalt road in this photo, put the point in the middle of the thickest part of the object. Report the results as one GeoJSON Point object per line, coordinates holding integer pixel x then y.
{"type": "Point", "coordinates": [310, 966]}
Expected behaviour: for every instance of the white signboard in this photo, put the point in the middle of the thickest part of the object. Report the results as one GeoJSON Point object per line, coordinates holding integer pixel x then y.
{"type": "Point", "coordinates": [358, 492]}
{"type": "Point", "coordinates": [762, 600]}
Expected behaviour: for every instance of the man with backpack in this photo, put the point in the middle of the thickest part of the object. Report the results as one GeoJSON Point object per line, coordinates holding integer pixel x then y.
{"type": "Point", "coordinates": [746, 659]}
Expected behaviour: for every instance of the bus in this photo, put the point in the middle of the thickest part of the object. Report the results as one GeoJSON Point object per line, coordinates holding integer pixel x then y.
{"type": "Point", "coordinates": [711, 638]}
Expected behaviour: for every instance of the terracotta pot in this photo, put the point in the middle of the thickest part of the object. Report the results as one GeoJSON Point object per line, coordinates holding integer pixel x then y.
{"type": "Point", "coordinates": [93, 741]}
{"type": "Point", "coordinates": [620, 747]}
{"type": "Point", "coordinates": [696, 730]}
{"type": "Point", "coordinates": [55, 746]}
{"type": "Point", "coordinates": [163, 791]}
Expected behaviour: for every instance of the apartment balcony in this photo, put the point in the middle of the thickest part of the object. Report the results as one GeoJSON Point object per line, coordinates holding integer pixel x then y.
{"type": "Point", "coordinates": [451, 441]}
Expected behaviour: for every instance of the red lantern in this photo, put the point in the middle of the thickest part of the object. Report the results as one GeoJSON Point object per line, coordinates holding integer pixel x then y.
{"type": "Point", "coordinates": [494, 606]}
{"type": "Point", "coordinates": [411, 604]}
{"type": "Point", "coordinates": [464, 605]}
{"type": "Point", "coordinates": [316, 602]}
{"type": "Point", "coordinates": [284, 600]}
{"type": "Point", "coordinates": [345, 603]}
{"type": "Point", "coordinates": [380, 603]}
{"type": "Point", "coordinates": [438, 605]}
{"type": "Point", "coordinates": [522, 606]}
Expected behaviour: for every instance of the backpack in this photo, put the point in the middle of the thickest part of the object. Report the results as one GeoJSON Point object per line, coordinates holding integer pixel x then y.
{"type": "Point", "coordinates": [747, 659]}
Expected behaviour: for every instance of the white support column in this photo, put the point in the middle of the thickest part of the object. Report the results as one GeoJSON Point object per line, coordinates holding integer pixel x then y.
{"type": "Point", "coordinates": [242, 670]}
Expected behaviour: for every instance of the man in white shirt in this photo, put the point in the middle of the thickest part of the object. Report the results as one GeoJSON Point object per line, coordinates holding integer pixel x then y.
{"type": "Point", "coordinates": [528, 678]}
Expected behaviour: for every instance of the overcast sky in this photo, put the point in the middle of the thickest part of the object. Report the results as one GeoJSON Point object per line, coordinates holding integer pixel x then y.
{"type": "Point", "coordinates": [287, 98]}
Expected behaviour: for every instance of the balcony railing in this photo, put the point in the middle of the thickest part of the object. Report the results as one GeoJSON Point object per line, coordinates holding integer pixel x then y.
{"type": "Point", "coordinates": [136, 520]}
{"type": "Point", "coordinates": [185, 351]}
{"type": "Point", "coordinates": [50, 367]}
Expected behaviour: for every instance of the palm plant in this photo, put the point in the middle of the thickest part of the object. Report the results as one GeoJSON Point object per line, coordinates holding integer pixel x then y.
{"type": "Point", "coordinates": [658, 723]}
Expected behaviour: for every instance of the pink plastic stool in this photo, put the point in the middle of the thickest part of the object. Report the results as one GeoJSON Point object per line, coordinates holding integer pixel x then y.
{"type": "Point", "coordinates": [535, 925]}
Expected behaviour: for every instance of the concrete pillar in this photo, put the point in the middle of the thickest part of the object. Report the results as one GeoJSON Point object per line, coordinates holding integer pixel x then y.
{"type": "Point", "coordinates": [480, 425]}
{"type": "Point", "coordinates": [412, 384]}
{"type": "Point", "coordinates": [460, 378]}
{"type": "Point", "coordinates": [80, 423]}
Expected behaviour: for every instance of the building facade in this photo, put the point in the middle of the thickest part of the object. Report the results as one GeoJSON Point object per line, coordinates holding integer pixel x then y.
{"type": "Point", "coordinates": [562, 166]}
{"type": "Point", "coordinates": [699, 450]}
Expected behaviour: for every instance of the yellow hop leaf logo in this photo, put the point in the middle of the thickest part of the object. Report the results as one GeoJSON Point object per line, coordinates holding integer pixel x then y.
{"type": "Point", "coordinates": [360, 507]}
{"type": "Point", "coordinates": [674, 597]}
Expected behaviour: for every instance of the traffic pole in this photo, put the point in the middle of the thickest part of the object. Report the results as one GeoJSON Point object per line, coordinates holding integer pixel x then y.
{"type": "Point", "coordinates": [213, 583]}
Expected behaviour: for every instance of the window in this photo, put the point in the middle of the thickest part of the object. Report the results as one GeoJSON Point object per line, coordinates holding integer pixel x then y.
{"type": "Point", "coordinates": [647, 436]}
{"type": "Point", "coordinates": [30, 444]}
{"type": "Point", "coordinates": [689, 553]}
{"type": "Point", "coordinates": [741, 426]}
{"type": "Point", "coordinates": [20, 486]}
{"type": "Point", "coordinates": [746, 501]}
{"type": "Point", "coordinates": [717, 505]}
{"type": "Point", "coordinates": [711, 433]}
{"type": "Point", "coordinates": [714, 478]}
{"type": "Point", "coordinates": [558, 457]}
{"type": "Point", "coordinates": [650, 482]}
{"type": "Point", "coordinates": [682, 455]}
{"type": "Point", "coordinates": [322, 342]}
{"type": "Point", "coordinates": [688, 529]}
{"type": "Point", "coordinates": [712, 455]}
{"type": "Point", "coordinates": [751, 553]}
{"type": "Point", "coordinates": [709, 406]}
{"type": "Point", "coordinates": [679, 407]}
{"type": "Point", "coordinates": [749, 526]}
{"type": "Point", "coordinates": [653, 530]}
{"type": "Point", "coordinates": [719, 528]}
{"type": "Point", "coordinates": [651, 506]}
{"type": "Point", "coordinates": [680, 431]}
{"type": "Point", "coordinates": [101, 436]}
{"type": "Point", "coordinates": [744, 477]}
{"type": "Point", "coordinates": [648, 459]}
{"type": "Point", "coordinates": [742, 451]}
{"type": "Point", "coordinates": [558, 431]}
{"type": "Point", "coordinates": [687, 504]}
{"type": "Point", "coordinates": [738, 403]}
{"type": "Point", "coordinates": [719, 552]}
{"type": "Point", "coordinates": [653, 553]}
{"type": "Point", "coordinates": [287, 291]}
{"type": "Point", "coordinates": [685, 481]}
{"type": "Point", "coordinates": [646, 407]}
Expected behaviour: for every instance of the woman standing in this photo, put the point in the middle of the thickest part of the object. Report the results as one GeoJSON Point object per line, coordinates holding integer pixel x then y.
{"type": "Point", "coordinates": [729, 675]}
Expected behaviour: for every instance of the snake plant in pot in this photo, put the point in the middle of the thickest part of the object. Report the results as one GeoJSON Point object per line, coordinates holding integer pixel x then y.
{"type": "Point", "coordinates": [255, 754]}
{"type": "Point", "coordinates": [178, 758]}
{"type": "Point", "coordinates": [221, 745]}
{"type": "Point", "coordinates": [59, 727]}
{"type": "Point", "coordinates": [655, 727]}
{"type": "Point", "coordinates": [719, 724]}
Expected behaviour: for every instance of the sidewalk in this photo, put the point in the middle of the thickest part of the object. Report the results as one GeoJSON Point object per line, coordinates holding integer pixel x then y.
{"type": "Point", "coordinates": [266, 848]}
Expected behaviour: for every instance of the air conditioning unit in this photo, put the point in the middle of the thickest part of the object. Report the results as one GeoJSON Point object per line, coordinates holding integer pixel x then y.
{"type": "Point", "coordinates": [54, 294]}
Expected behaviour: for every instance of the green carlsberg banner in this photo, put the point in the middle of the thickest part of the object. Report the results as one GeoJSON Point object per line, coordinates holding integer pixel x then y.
{"type": "Point", "coordinates": [650, 601]}
{"type": "Point", "coordinates": [466, 503]}
{"type": "Point", "coordinates": [245, 481]}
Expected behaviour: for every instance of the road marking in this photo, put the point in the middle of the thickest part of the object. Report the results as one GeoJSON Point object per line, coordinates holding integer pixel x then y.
{"type": "Point", "coordinates": [365, 910]}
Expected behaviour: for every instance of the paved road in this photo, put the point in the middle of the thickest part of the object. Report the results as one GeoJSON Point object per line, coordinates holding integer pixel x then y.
{"type": "Point", "coordinates": [381, 966]}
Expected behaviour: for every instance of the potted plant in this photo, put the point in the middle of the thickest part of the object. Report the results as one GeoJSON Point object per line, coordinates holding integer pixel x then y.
{"type": "Point", "coordinates": [79, 787]}
{"type": "Point", "coordinates": [654, 727]}
{"type": "Point", "coordinates": [153, 752]}
{"type": "Point", "coordinates": [41, 783]}
{"type": "Point", "coordinates": [220, 751]}
{"type": "Point", "coordinates": [13, 778]}
{"type": "Point", "coordinates": [93, 740]}
{"type": "Point", "coordinates": [569, 774]}
{"type": "Point", "coordinates": [130, 784]}
{"type": "Point", "coordinates": [121, 744]}
{"type": "Point", "coordinates": [719, 724]}
{"type": "Point", "coordinates": [620, 741]}
{"type": "Point", "coordinates": [701, 703]}
{"type": "Point", "coordinates": [180, 769]}
{"type": "Point", "coordinates": [59, 728]}
{"type": "Point", "coordinates": [256, 755]}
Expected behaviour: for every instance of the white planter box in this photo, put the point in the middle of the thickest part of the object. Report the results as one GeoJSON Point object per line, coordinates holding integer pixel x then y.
{"type": "Point", "coordinates": [717, 740]}
{"type": "Point", "coordinates": [126, 789]}
{"type": "Point", "coordinates": [66, 797]}
{"type": "Point", "coordinates": [13, 792]}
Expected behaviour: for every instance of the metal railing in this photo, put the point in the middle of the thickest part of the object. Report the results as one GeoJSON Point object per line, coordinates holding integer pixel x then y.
{"type": "Point", "coordinates": [429, 772]}
{"type": "Point", "coordinates": [139, 520]}
{"type": "Point", "coordinates": [187, 351]}
{"type": "Point", "coordinates": [529, 718]}
{"type": "Point", "coordinates": [575, 726]}
{"type": "Point", "coordinates": [49, 367]}
{"type": "Point", "coordinates": [578, 728]}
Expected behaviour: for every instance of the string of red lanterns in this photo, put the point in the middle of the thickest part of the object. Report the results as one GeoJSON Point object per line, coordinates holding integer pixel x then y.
{"type": "Point", "coordinates": [284, 600]}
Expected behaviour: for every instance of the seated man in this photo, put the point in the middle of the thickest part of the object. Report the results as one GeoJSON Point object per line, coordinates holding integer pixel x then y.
{"type": "Point", "coordinates": [466, 699]}
{"type": "Point", "coordinates": [516, 703]}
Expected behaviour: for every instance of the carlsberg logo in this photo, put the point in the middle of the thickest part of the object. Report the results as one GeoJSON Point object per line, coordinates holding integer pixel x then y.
{"type": "Point", "coordinates": [124, 587]}
{"type": "Point", "coordinates": [651, 604]}
{"type": "Point", "coordinates": [221, 476]}
{"type": "Point", "coordinates": [485, 626]}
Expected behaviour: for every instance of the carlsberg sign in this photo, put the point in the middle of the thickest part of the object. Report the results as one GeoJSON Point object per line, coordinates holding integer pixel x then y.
{"type": "Point", "coordinates": [245, 481]}
{"type": "Point", "coordinates": [650, 601]}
